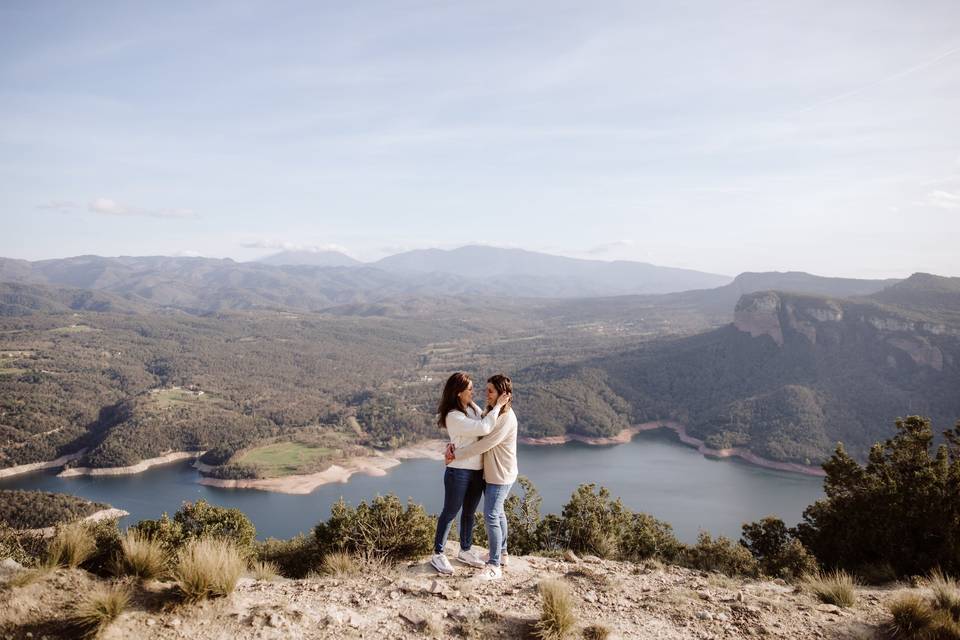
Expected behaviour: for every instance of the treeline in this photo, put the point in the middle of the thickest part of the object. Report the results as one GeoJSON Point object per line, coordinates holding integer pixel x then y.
{"type": "Point", "coordinates": [38, 509]}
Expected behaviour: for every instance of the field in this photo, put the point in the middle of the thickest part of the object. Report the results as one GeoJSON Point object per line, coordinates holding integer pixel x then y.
{"type": "Point", "coordinates": [285, 458]}
{"type": "Point", "coordinates": [170, 397]}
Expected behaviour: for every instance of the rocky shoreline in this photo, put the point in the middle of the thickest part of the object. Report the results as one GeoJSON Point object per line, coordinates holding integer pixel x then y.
{"type": "Point", "coordinates": [627, 434]}
{"type": "Point", "coordinates": [103, 514]}
{"type": "Point", "coordinates": [9, 472]}
{"type": "Point", "coordinates": [140, 467]}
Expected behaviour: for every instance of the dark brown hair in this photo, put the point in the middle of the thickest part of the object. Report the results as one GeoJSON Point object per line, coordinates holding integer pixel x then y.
{"type": "Point", "coordinates": [503, 385]}
{"type": "Point", "coordinates": [450, 400]}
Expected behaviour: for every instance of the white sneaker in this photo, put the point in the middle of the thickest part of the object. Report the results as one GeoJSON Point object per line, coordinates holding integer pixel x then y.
{"type": "Point", "coordinates": [470, 558]}
{"type": "Point", "coordinates": [490, 572]}
{"type": "Point", "coordinates": [439, 562]}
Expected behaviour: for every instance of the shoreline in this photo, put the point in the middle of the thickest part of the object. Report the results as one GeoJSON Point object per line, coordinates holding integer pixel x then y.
{"type": "Point", "coordinates": [374, 465]}
{"type": "Point", "coordinates": [9, 472]}
{"type": "Point", "coordinates": [103, 514]}
{"type": "Point", "coordinates": [626, 435]}
{"type": "Point", "coordinates": [140, 467]}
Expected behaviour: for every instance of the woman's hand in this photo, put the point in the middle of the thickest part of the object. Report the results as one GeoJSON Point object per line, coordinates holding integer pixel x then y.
{"type": "Point", "coordinates": [503, 399]}
{"type": "Point", "coordinates": [448, 454]}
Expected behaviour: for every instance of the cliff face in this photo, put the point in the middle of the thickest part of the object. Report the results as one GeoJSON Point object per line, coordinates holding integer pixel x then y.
{"type": "Point", "coordinates": [825, 321]}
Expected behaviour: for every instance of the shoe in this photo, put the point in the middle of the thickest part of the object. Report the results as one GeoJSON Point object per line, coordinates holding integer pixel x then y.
{"type": "Point", "coordinates": [504, 559]}
{"type": "Point", "coordinates": [439, 562]}
{"type": "Point", "coordinates": [470, 558]}
{"type": "Point", "coordinates": [490, 572]}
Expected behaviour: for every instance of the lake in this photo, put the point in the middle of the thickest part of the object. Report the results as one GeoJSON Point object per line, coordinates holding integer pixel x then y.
{"type": "Point", "coordinates": [654, 473]}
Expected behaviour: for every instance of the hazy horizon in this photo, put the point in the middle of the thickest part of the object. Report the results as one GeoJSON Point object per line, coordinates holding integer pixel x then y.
{"type": "Point", "coordinates": [722, 138]}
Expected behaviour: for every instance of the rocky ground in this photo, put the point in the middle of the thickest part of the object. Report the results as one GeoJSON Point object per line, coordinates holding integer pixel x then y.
{"type": "Point", "coordinates": [631, 600]}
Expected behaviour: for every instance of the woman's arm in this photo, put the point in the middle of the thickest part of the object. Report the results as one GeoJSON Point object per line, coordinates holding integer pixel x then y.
{"type": "Point", "coordinates": [484, 444]}
{"type": "Point", "coordinates": [459, 424]}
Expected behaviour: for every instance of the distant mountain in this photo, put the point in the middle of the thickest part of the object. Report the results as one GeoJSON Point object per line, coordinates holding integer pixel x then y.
{"type": "Point", "coordinates": [310, 258]}
{"type": "Point", "coordinates": [527, 273]}
{"type": "Point", "coordinates": [791, 376]}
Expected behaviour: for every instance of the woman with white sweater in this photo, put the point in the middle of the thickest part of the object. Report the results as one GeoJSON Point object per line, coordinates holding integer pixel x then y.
{"type": "Point", "coordinates": [462, 480]}
{"type": "Point", "coordinates": [499, 450]}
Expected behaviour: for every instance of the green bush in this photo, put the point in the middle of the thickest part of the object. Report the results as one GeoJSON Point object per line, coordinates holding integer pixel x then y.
{"type": "Point", "coordinates": [107, 547]}
{"type": "Point", "coordinates": [778, 553]}
{"type": "Point", "coordinates": [523, 517]}
{"type": "Point", "coordinates": [23, 547]}
{"type": "Point", "coordinates": [197, 520]}
{"type": "Point", "coordinates": [646, 537]}
{"type": "Point", "coordinates": [592, 522]}
{"type": "Point", "coordinates": [383, 528]}
{"type": "Point", "coordinates": [722, 555]}
{"type": "Point", "coordinates": [295, 558]}
{"type": "Point", "coordinates": [900, 508]}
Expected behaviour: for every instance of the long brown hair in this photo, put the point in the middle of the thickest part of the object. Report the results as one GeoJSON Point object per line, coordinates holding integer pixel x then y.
{"type": "Point", "coordinates": [503, 385]}
{"type": "Point", "coordinates": [450, 400]}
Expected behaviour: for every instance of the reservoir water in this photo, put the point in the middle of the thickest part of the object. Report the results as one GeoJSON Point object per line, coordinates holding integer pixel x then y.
{"type": "Point", "coordinates": [653, 473]}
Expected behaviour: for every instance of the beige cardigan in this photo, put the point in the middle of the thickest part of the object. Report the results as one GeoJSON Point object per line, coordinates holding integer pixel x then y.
{"type": "Point", "coordinates": [499, 449]}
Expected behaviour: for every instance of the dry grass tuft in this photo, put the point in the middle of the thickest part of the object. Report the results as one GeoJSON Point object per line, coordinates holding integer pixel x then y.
{"type": "Point", "coordinates": [208, 567]}
{"type": "Point", "coordinates": [266, 571]}
{"type": "Point", "coordinates": [557, 618]}
{"type": "Point", "coordinates": [142, 556]}
{"type": "Point", "coordinates": [339, 564]}
{"type": "Point", "coordinates": [72, 544]}
{"type": "Point", "coordinates": [100, 606]}
{"type": "Point", "coordinates": [597, 632]}
{"type": "Point", "coordinates": [29, 576]}
{"type": "Point", "coordinates": [946, 593]}
{"type": "Point", "coordinates": [835, 587]}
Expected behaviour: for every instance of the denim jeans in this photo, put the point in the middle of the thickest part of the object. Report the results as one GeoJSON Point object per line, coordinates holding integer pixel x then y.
{"type": "Point", "coordinates": [494, 495]}
{"type": "Point", "coordinates": [462, 488]}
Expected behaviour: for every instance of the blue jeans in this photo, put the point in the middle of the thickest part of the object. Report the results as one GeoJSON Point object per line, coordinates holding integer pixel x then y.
{"type": "Point", "coordinates": [462, 488]}
{"type": "Point", "coordinates": [495, 520]}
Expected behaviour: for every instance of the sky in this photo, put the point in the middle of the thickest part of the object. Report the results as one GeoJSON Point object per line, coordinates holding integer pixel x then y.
{"type": "Point", "coordinates": [724, 136]}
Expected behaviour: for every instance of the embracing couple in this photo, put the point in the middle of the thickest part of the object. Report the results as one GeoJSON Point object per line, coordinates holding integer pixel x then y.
{"type": "Point", "coordinates": [481, 461]}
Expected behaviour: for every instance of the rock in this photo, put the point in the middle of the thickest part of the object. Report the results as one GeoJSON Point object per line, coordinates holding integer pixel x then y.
{"type": "Point", "coordinates": [592, 559]}
{"type": "Point", "coordinates": [356, 620]}
{"type": "Point", "coordinates": [704, 615]}
{"type": "Point", "coordinates": [173, 623]}
{"type": "Point", "coordinates": [414, 618]}
{"type": "Point", "coordinates": [740, 596]}
{"type": "Point", "coordinates": [703, 595]}
{"type": "Point", "coordinates": [722, 617]}
{"type": "Point", "coordinates": [436, 588]}
{"type": "Point", "coordinates": [590, 596]}
{"type": "Point", "coordinates": [570, 556]}
{"type": "Point", "coordinates": [829, 608]}
{"type": "Point", "coordinates": [275, 621]}
{"type": "Point", "coordinates": [394, 595]}
{"type": "Point", "coordinates": [463, 614]}
{"type": "Point", "coordinates": [151, 622]}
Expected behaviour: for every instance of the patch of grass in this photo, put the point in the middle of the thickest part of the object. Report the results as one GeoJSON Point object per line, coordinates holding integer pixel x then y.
{"type": "Point", "coordinates": [73, 328]}
{"type": "Point", "coordinates": [142, 556]}
{"type": "Point", "coordinates": [285, 458]}
{"type": "Point", "coordinates": [339, 564]}
{"type": "Point", "coordinates": [98, 607]}
{"type": "Point", "coordinates": [912, 617]}
{"type": "Point", "coordinates": [165, 398]}
{"type": "Point", "coordinates": [208, 567]}
{"type": "Point", "coordinates": [835, 587]}
{"type": "Point", "coordinates": [29, 576]}
{"type": "Point", "coordinates": [72, 544]}
{"type": "Point", "coordinates": [265, 571]}
{"type": "Point", "coordinates": [557, 617]}
{"type": "Point", "coordinates": [597, 632]}
{"type": "Point", "coordinates": [12, 371]}
{"type": "Point", "coordinates": [946, 593]}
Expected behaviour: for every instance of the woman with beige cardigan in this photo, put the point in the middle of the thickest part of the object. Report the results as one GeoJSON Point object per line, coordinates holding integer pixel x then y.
{"type": "Point", "coordinates": [499, 450]}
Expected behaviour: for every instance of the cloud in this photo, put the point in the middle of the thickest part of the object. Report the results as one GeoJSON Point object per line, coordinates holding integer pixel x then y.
{"type": "Point", "coordinates": [942, 199]}
{"type": "Point", "coordinates": [110, 207]}
{"type": "Point", "coordinates": [610, 247]}
{"type": "Point", "coordinates": [270, 243]}
{"type": "Point", "coordinates": [62, 206]}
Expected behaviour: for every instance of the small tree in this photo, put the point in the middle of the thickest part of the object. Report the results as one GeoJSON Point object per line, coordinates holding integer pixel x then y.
{"type": "Point", "coordinates": [593, 522]}
{"type": "Point", "coordinates": [775, 548]}
{"type": "Point", "coordinates": [523, 518]}
{"type": "Point", "coordinates": [901, 508]}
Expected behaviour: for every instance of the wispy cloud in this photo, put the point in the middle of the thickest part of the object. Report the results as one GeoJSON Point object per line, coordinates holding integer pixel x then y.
{"type": "Point", "coordinates": [110, 207]}
{"type": "Point", "coordinates": [942, 200]}
{"type": "Point", "coordinates": [62, 206]}
{"type": "Point", "coordinates": [282, 245]}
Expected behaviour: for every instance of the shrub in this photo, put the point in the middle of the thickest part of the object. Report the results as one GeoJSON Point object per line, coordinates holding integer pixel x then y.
{"type": "Point", "coordinates": [142, 556]}
{"type": "Point", "coordinates": [551, 536]}
{"type": "Point", "coordinates": [382, 528]}
{"type": "Point", "coordinates": [71, 546]}
{"type": "Point", "coordinates": [106, 538]}
{"type": "Point", "coordinates": [168, 533]}
{"type": "Point", "coordinates": [836, 587]}
{"type": "Point", "coordinates": [557, 618]}
{"type": "Point", "coordinates": [24, 548]}
{"type": "Point", "coordinates": [208, 567]}
{"type": "Point", "coordinates": [265, 571]}
{"type": "Point", "coordinates": [592, 522]}
{"type": "Point", "coordinates": [778, 553]}
{"type": "Point", "coordinates": [946, 593]}
{"type": "Point", "coordinates": [523, 517]}
{"type": "Point", "coordinates": [202, 520]}
{"type": "Point", "coordinates": [646, 537]}
{"type": "Point", "coordinates": [99, 607]}
{"type": "Point", "coordinates": [899, 508]}
{"type": "Point", "coordinates": [294, 558]}
{"type": "Point", "coordinates": [722, 555]}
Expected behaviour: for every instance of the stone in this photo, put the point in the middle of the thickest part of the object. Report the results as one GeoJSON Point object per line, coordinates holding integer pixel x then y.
{"type": "Point", "coordinates": [275, 620]}
{"type": "Point", "coordinates": [151, 622]}
{"type": "Point", "coordinates": [704, 615]}
{"type": "Point", "coordinates": [591, 559]}
{"type": "Point", "coordinates": [463, 614]}
{"type": "Point", "coordinates": [590, 596]}
{"type": "Point", "coordinates": [174, 623]}
{"type": "Point", "coordinates": [414, 618]}
{"type": "Point", "coordinates": [722, 617]}
{"type": "Point", "coordinates": [829, 608]}
{"type": "Point", "coordinates": [394, 595]}
{"type": "Point", "coordinates": [570, 556]}
{"type": "Point", "coordinates": [436, 587]}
